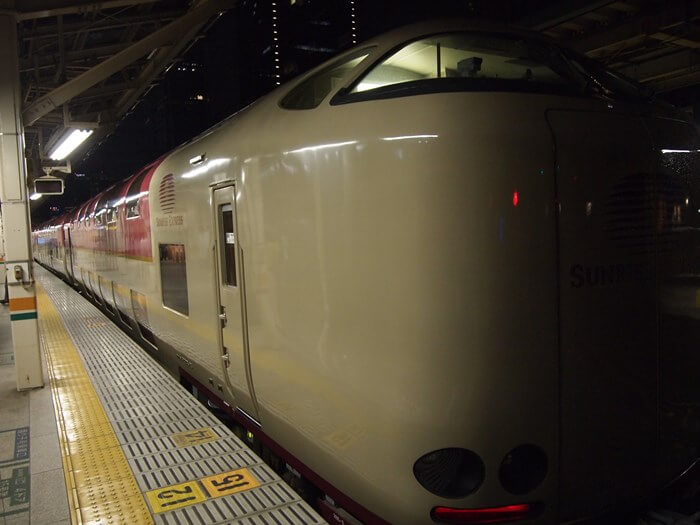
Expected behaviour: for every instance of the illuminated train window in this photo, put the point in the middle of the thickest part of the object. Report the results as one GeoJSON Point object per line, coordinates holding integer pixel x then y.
{"type": "Point", "coordinates": [471, 56]}
{"type": "Point", "coordinates": [464, 61]}
{"type": "Point", "coordinates": [173, 277]}
{"type": "Point", "coordinates": [228, 245]}
{"type": "Point", "coordinates": [132, 210]}
{"type": "Point", "coordinates": [134, 194]}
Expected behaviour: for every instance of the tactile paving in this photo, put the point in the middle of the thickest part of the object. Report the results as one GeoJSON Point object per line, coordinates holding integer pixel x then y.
{"type": "Point", "coordinates": [83, 424]}
{"type": "Point", "coordinates": [127, 441]}
{"type": "Point", "coordinates": [122, 511]}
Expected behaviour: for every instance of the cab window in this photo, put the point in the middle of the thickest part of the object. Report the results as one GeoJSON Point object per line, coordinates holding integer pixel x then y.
{"type": "Point", "coordinates": [311, 92]}
{"type": "Point", "coordinates": [463, 61]}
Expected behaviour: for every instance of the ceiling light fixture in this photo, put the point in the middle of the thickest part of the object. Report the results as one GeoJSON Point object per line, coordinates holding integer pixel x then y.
{"type": "Point", "coordinates": [71, 140]}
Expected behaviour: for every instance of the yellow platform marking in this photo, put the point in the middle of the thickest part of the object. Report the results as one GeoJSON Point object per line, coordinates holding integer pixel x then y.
{"type": "Point", "coordinates": [101, 487]}
{"type": "Point", "coordinates": [229, 482]}
{"type": "Point", "coordinates": [175, 496]}
{"type": "Point", "coordinates": [194, 437]}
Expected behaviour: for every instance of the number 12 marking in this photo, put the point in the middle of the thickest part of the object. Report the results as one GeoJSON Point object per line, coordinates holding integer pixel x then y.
{"type": "Point", "coordinates": [175, 496]}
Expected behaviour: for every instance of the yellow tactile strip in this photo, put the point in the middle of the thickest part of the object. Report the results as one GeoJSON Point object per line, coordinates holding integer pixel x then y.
{"type": "Point", "coordinates": [101, 488]}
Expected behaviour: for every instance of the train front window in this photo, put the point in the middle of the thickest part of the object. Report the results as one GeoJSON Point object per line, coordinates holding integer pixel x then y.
{"type": "Point", "coordinates": [464, 61]}
{"type": "Point", "coordinates": [311, 92]}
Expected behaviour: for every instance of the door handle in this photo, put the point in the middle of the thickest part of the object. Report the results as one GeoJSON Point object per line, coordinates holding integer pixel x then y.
{"type": "Point", "coordinates": [222, 317]}
{"type": "Point", "coordinates": [225, 357]}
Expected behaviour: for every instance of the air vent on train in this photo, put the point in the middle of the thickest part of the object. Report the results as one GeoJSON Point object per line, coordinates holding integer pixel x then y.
{"type": "Point", "coordinates": [167, 194]}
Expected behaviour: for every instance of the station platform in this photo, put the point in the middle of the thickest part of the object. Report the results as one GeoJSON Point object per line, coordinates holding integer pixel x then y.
{"type": "Point", "coordinates": [112, 438]}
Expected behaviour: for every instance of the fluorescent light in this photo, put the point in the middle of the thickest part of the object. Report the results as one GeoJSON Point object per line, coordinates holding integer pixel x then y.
{"type": "Point", "coordinates": [69, 143]}
{"type": "Point", "coordinates": [680, 151]}
{"type": "Point", "coordinates": [35, 196]}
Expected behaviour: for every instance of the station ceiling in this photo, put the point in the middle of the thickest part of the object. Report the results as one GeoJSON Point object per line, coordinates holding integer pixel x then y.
{"type": "Point", "coordinates": [63, 48]}
{"type": "Point", "coordinates": [62, 41]}
{"type": "Point", "coordinates": [656, 43]}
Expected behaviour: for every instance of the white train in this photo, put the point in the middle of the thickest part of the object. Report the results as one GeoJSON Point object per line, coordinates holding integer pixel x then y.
{"type": "Point", "coordinates": [452, 275]}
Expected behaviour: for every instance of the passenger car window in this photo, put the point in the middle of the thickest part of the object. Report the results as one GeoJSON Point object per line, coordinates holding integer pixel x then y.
{"type": "Point", "coordinates": [132, 210]}
{"type": "Point", "coordinates": [310, 93]}
{"type": "Point", "coordinates": [465, 61]}
{"type": "Point", "coordinates": [173, 277]}
{"type": "Point", "coordinates": [134, 194]}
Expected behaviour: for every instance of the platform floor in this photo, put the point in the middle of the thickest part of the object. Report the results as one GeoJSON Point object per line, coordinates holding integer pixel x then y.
{"type": "Point", "coordinates": [128, 441]}
{"type": "Point", "coordinates": [30, 458]}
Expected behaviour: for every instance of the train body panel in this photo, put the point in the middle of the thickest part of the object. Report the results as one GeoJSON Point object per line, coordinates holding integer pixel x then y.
{"type": "Point", "coordinates": [470, 270]}
{"type": "Point", "coordinates": [2, 263]}
{"type": "Point", "coordinates": [608, 328]}
{"type": "Point", "coordinates": [377, 273]}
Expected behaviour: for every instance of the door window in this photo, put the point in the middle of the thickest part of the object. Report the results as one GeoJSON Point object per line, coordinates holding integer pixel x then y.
{"type": "Point", "coordinates": [173, 276]}
{"type": "Point", "coordinates": [228, 244]}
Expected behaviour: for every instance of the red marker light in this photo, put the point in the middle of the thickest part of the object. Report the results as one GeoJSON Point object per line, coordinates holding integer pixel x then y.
{"type": "Point", "coordinates": [515, 198]}
{"type": "Point", "coordinates": [504, 514]}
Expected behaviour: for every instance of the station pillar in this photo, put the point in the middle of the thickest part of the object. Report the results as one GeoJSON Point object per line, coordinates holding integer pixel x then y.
{"type": "Point", "coordinates": [15, 213]}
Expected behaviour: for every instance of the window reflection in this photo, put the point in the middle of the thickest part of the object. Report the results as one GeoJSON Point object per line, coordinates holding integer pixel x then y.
{"type": "Point", "coordinates": [173, 276]}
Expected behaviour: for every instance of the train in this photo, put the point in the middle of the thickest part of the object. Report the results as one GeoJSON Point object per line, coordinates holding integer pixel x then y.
{"type": "Point", "coordinates": [452, 275]}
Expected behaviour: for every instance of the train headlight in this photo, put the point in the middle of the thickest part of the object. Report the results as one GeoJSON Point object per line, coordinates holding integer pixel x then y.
{"type": "Point", "coordinates": [450, 472]}
{"type": "Point", "coordinates": [523, 469]}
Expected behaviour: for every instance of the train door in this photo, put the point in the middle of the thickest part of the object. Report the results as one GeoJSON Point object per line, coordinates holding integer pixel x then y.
{"type": "Point", "coordinates": [63, 248]}
{"type": "Point", "coordinates": [69, 253]}
{"type": "Point", "coordinates": [232, 312]}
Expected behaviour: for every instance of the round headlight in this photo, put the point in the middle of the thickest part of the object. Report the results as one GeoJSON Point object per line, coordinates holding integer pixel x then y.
{"type": "Point", "coordinates": [523, 469]}
{"type": "Point", "coordinates": [450, 472]}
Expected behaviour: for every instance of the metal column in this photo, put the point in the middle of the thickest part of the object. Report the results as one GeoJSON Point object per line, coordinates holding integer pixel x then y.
{"type": "Point", "coordinates": [15, 213]}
